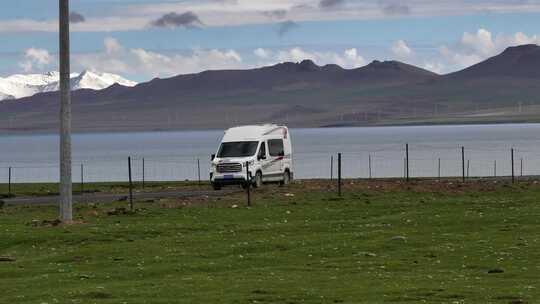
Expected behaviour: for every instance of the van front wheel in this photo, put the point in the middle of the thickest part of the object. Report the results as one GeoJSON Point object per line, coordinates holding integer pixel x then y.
{"type": "Point", "coordinates": [216, 186]}
{"type": "Point", "coordinates": [286, 179]}
{"type": "Point", "coordinates": [258, 180]}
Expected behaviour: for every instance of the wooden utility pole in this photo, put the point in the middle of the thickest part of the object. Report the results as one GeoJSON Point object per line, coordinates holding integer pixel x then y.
{"type": "Point", "coordinates": [66, 187]}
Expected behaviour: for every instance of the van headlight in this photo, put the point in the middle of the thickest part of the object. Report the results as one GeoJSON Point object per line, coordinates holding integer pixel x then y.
{"type": "Point", "coordinates": [251, 163]}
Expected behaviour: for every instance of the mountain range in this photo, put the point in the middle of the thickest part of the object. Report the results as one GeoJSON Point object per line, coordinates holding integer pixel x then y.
{"type": "Point", "coordinates": [19, 86]}
{"type": "Point", "coordinates": [504, 88]}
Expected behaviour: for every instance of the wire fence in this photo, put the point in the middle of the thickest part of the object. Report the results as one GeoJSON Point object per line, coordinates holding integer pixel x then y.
{"type": "Point", "coordinates": [388, 161]}
{"type": "Point", "coordinates": [109, 170]}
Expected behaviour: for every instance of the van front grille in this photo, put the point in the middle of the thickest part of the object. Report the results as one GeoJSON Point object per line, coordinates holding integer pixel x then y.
{"type": "Point", "coordinates": [229, 168]}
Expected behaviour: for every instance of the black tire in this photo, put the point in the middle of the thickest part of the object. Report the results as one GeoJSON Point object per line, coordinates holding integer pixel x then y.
{"type": "Point", "coordinates": [216, 187]}
{"type": "Point", "coordinates": [257, 182]}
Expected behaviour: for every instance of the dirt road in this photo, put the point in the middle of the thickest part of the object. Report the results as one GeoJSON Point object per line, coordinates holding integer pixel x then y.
{"type": "Point", "coordinates": [111, 197]}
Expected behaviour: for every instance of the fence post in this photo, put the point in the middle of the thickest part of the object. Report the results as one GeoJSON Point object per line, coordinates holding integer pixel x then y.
{"type": "Point", "coordinates": [339, 174]}
{"type": "Point", "coordinates": [463, 162]}
{"type": "Point", "coordinates": [512, 157]}
{"type": "Point", "coordinates": [407, 160]}
{"type": "Point", "coordinates": [404, 168]}
{"type": "Point", "coordinates": [468, 167]}
{"type": "Point", "coordinates": [521, 171]}
{"type": "Point", "coordinates": [439, 170]}
{"type": "Point", "coordinates": [82, 179]}
{"type": "Point", "coordinates": [9, 181]}
{"type": "Point", "coordinates": [369, 162]}
{"type": "Point", "coordinates": [248, 186]}
{"type": "Point", "coordinates": [199, 170]}
{"type": "Point", "coordinates": [331, 167]}
{"type": "Point", "coordinates": [143, 177]}
{"type": "Point", "coordinates": [130, 185]}
{"type": "Point", "coordinates": [495, 168]}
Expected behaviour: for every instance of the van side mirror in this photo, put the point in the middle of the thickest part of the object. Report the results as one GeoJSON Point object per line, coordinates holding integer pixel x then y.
{"type": "Point", "coordinates": [212, 157]}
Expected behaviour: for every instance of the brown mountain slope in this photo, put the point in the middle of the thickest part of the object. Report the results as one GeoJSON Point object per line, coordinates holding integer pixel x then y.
{"type": "Point", "coordinates": [519, 61]}
{"type": "Point", "coordinates": [502, 88]}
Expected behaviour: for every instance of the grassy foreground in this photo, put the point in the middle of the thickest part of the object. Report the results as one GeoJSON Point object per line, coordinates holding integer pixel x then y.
{"type": "Point", "coordinates": [384, 242]}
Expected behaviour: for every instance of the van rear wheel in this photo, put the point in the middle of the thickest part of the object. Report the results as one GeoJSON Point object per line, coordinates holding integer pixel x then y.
{"type": "Point", "coordinates": [286, 179]}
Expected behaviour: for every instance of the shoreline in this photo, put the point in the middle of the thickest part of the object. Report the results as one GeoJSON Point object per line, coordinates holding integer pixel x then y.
{"type": "Point", "coordinates": [335, 126]}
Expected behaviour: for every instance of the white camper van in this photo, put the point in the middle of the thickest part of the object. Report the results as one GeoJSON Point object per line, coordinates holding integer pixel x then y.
{"type": "Point", "coordinates": [266, 149]}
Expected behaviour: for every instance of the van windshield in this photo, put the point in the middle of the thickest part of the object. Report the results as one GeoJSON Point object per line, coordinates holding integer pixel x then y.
{"type": "Point", "coordinates": [237, 149]}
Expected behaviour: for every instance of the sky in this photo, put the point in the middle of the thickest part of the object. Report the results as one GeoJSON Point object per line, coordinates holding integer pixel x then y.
{"type": "Point", "coordinates": [144, 39]}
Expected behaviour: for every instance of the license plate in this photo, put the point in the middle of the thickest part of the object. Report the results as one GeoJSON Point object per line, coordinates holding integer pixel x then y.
{"type": "Point", "coordinates": [228, 176]}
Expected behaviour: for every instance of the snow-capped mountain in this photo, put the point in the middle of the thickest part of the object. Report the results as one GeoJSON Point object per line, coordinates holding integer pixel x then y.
{"type": "Point", "coordinates": [18, 86]}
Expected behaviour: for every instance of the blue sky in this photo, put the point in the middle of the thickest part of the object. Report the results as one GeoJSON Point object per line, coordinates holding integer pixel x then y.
{"type": "Point", "coordinates": [142, 39]}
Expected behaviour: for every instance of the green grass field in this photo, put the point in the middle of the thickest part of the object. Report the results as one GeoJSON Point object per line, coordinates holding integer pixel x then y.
{"type": "Point", "coordinates": [383, 242]}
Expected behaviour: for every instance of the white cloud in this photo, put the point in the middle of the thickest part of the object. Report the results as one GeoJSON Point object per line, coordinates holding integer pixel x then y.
{"type": "Point", "coordinates": [473, 48]}
{"type": "Point", "coordinates": [35, 58]}
{"type": "Point", "coordinates": [480, 43]}
{"type": "Point", "coordinates": [262, 53]}
{"type": "Point", "coordinates": [354, 59]}
{"type": "Point", "coordinates": [435, 67]}
{"type": "Point", "coordinates": [348, 59]}
{"type": "Point", "coordinates": [458, 58]}
{"type": "Point", "coordinates": [295, 55]}
{"type": "Point", "coordinates": [40, 56]}
{"type": "Point", "coordinates": [144, 63]}
{"type": "Point", "coordinates": [401, 49]}
{"type": "Point", "coordinates": [112, 46]}
{"type": "Point", "coordinates": [520, 38]}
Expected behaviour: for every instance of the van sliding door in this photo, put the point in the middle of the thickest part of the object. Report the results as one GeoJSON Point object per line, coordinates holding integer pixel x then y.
{"type": "Point", "coordinates": [276, 151]}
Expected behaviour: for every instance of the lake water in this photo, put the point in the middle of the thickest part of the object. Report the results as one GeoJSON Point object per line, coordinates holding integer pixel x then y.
{"type": "Point", "coordinates": [174, 155]}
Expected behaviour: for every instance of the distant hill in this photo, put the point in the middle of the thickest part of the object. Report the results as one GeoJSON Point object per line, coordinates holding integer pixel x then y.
{"type": "Point", "coordinates": [281, 77]}
{"type": "Point", "coordinates": [520, 61]}
{"type": "Point", "coordinates": [505, 88]}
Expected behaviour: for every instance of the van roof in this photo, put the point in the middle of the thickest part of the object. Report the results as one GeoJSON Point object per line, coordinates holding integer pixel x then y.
{"type": "Point", "coordinates": [248, 133]}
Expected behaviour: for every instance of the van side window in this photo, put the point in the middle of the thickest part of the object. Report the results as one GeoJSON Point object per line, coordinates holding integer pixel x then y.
{"type": "Point", "coordinates": [262, 151]}
{"type": "Point", "coordinates": [275, 147]}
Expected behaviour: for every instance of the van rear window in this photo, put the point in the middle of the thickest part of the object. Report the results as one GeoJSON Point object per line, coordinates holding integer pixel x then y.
{"type": "Point", "coordinates": [275, 147]}
{"type": "Point", "coordinates": [237, 149]}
